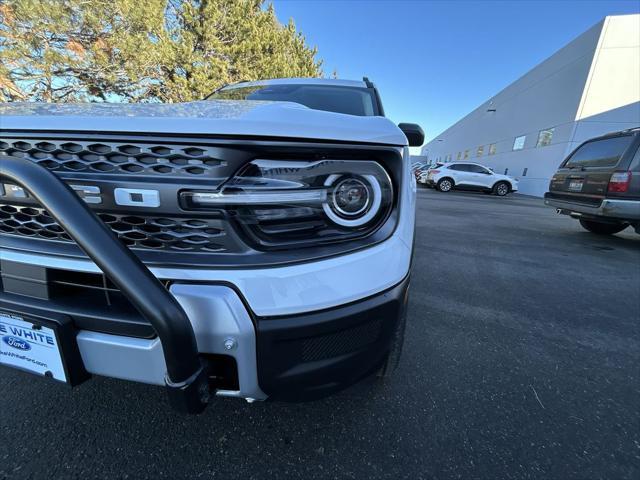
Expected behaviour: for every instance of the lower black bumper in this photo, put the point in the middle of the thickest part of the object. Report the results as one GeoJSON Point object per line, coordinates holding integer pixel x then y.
{"type": "Point", "coordinates": [309, 356]}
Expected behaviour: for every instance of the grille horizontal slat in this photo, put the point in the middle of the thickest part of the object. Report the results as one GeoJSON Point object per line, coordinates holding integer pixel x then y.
{"type": "Point", "coordinates": [137, 232]}
{"type": "Point", "coordinates": [129, 158]}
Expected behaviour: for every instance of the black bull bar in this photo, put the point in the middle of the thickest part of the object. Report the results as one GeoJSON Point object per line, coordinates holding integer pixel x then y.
{"type": "Point", "coordinates": [186, 379]}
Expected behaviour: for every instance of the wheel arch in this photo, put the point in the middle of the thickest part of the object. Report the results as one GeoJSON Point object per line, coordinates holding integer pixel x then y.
{"type": "Point", "coordinates": [502, 181]}
{"type": "Point", "coordinates": [446, 177]}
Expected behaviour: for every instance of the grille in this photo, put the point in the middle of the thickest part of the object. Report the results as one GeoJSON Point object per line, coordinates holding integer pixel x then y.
{"type": "Point", "coordinates": [103, 308]}
{"type": "Point", "coordinates": [342, 342]}
{"type": "Point", "coordinates": [137, 232]}
{"type": "Point", "coordinates": [113, 157]}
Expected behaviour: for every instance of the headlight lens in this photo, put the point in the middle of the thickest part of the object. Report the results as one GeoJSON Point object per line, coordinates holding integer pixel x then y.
{"type": "Point", "coordinates": [350, 197]}
{"type": "Point", "coordinates": [352, 201]}
{"type": "Point", "coordinates": [286, 202]}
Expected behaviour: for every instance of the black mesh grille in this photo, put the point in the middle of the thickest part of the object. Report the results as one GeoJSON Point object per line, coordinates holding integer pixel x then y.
{"type": "Point", "coordinates": [115, 157]}
{"type": "Point", "coordinates": [340, 343]}
{"type": "Point", "coordinates": [137, 232]}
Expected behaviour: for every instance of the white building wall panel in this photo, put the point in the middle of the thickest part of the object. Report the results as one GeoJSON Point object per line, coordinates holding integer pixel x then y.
{"type": "Point", "coordinates": [577, 80]}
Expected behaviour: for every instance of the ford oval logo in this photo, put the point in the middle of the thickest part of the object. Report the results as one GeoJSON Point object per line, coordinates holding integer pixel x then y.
{"type": "Point", "coordinates": [16, 343]}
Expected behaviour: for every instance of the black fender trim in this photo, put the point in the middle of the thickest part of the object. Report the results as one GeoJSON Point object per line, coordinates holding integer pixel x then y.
{"type": "Point", "coordinates": [186, 379]}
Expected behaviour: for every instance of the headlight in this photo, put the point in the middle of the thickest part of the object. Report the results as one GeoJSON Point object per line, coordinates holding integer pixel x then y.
{"type": "Point", "coordinates": [352, 201]}
{"type": "Point", "coordinates": [285, 202]}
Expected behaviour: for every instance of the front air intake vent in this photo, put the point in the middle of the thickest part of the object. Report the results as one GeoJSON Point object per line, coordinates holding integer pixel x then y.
{"type": "Point", "coordinates": [342, 342]}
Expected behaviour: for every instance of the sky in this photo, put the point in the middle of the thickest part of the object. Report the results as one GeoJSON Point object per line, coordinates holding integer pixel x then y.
{"type": "Point", "coordinates": [435, 61]}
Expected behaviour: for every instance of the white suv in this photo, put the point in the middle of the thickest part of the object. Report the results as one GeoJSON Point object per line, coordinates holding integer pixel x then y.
{"type": "Point", "coordinates": [470, 176]}
{"type": "Point", "coordinates": [256, 245]}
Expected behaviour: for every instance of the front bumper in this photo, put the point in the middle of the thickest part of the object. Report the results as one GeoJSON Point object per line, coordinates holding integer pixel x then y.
{"type": "Point", "coordinates": [626, 210]}
{"type": "Point", "coordinates": [293, 358]}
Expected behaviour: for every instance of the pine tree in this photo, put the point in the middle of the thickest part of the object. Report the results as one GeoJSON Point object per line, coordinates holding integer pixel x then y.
{"type": "Point", "coordinates": [143, 50]}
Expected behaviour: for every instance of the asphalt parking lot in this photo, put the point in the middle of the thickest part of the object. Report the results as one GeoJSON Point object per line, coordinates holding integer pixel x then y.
{"type": "Point", "coordinates": [522, 360]}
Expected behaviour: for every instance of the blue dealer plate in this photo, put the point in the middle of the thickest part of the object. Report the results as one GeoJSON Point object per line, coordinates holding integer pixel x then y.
{"type": "Point", "coordinates": [29, 347]}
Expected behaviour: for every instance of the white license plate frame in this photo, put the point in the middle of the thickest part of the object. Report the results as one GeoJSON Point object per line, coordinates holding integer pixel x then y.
{"type": "Point", "coordinates": [31, 346]}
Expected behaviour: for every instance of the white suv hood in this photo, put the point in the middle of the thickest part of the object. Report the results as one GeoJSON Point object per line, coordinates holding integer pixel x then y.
{"type": "Point", "coordinates": [212, 117]}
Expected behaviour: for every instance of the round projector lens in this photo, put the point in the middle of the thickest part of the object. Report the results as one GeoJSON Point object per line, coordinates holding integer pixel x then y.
{"type": "Point", "coordinates": [352, 201]}
{"type": "Point", "coordinates": [350, 197]}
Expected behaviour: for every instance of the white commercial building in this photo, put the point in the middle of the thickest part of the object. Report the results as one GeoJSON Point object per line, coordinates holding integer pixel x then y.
{"type": "Point", "coordinates": [588, 88]}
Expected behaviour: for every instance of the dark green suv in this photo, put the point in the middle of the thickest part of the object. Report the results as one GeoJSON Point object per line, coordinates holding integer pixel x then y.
{"type": "Point", "coordinates": [599, 183]}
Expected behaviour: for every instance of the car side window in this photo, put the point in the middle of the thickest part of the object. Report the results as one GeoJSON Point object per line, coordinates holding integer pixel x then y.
{"type": "Point", "coordinates": [478, 169]}
{"type": "Point", "coordinates": [460, 167]}
{"type": "Point", "coordinates": [635, 163]}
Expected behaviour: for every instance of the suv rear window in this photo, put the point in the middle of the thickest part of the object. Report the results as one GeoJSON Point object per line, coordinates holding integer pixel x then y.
{"type": "Point", "coordinates": [600, 153]}
{"type": "Point", "coordinates": [339, 99]}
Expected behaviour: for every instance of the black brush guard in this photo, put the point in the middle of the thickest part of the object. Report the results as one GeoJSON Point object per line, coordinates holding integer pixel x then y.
{"type": "Point", "coordinates": [186, 379]}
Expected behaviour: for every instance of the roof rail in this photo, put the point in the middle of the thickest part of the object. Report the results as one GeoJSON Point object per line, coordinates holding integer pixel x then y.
{"type": "Point", "coordinates": [225, 85]}
{"type": "Point", "coordinates": [614, 133]}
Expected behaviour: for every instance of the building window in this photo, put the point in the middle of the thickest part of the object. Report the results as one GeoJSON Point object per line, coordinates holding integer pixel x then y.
{"type": "Point", "coordinates": [459, 155]}
{"type": "Point", "coordinates": [544, 137]}
{"type": "Point", "coordinates": [492, 149]}
{"type": "Point", "coordinates": [466, 154]}
{"type": "Point", "coordinates": [480, 151]}
{"type": "Point", "coordinates": [518, 143]}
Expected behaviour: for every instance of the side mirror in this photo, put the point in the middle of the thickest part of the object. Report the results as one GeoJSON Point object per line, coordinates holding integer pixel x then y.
{"type": "Point", "coordinates": [413, 132]}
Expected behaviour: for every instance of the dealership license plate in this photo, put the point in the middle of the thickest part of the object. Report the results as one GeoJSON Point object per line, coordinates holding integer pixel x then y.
{"type": "Point", "coordinates": [30, 347]}
{"type": "Point", "coordinates": [576, 185]}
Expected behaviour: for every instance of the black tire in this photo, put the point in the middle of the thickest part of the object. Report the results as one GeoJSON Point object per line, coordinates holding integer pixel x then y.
{"type": "Point", "coordinates": [602, 228]}
{"type": "Point", "coordinates": [445, 185]}
{"type": "Point", "coordinates": [501, 188]}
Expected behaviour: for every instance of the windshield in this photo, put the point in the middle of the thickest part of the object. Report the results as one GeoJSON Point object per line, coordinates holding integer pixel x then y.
{"type": "Point", "coordinates": [339, 99]}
